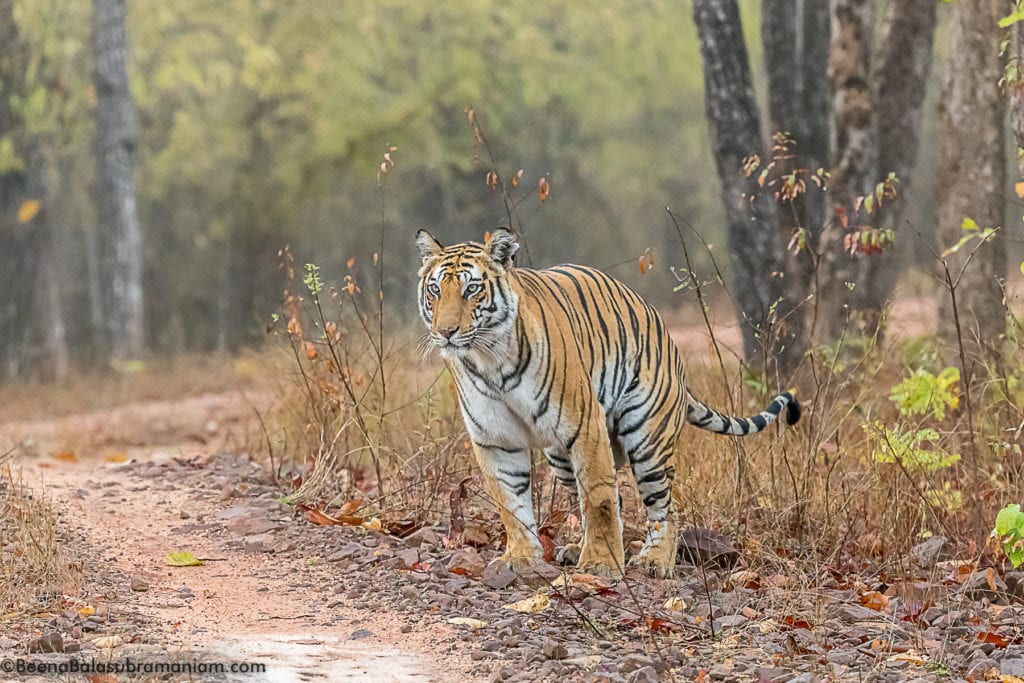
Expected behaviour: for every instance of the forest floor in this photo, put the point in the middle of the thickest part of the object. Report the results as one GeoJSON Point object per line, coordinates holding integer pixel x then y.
{"type": "Point", "coordinates": [133, 484]}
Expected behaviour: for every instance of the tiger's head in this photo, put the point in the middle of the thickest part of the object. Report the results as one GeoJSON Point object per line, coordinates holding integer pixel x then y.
{"type": "Point", "coordinates": [464, 295]}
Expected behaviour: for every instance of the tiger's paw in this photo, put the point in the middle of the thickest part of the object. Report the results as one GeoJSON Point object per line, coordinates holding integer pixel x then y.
{"type": "Point", "coordinates": [606, 565]}
{"type": "Point", "coordinates": [568, 555]}
{"type": "Point", "coordinates": [655, 567]}
{"type": "Point", "coordinates": [520, 561]}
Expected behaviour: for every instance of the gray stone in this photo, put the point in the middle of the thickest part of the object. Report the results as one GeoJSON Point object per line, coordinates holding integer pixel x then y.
{"type": "Point", "coordinates": [1012, 666]}
{"type": "Point", "coordinates": [930, 552]}
{"type": "Point", "coordinates": [50, 642]}
{"type": "Point", "coordinates": [553, 649]}
{"type": "Point", "coordinates": [645, 674]}
{"type": "Point", "coordinates": [731, 621]}
{"type": "Point", "coordinates": [360, 634]}
{"type": "Point", "coordinates": [426, 535]}
{"type": "Point", "coordinates": [978, 586]}
{"type": "Point", "coordinates": [497, 575]}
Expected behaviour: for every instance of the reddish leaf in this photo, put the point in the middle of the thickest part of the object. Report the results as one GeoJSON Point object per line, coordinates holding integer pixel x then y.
{"type": "Point", "coordinates": [548, 544]}
{"type": "Point", "coordinates": [350, 507]}
{"type": "Point", "coordinates": [791, 622]}
{"type": "Point", "coordinates": [844, 220]}
{"type": "Point", "coordinates": [544, 188]}
{"type": "Point", "coordinates": [993, 638]}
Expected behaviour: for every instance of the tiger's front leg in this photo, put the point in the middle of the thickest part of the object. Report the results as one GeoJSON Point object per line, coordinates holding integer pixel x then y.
{"type": "Point", "coordinates": [592, 460]}
{"type": "Point", "coordinates": [507, 477]}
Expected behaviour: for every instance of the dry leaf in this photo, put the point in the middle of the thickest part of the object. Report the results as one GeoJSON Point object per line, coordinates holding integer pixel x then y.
{"type": "Point", "coordinates": [28, 210]}
{"type": "Point", "coordinates": [874, 600]}
{"type": "Point", "coordinates": [66, 456]}
{"type": "Point", "coordinates": [675, 603]}
{"type": "Point", "coordinates": [535, 603]}
{"type": "Point", "coordinates": [108, 642]}
{"type": "Point", "coordinates": [544, 189]}
{"type": "Point", "coordinates": [182, 559]}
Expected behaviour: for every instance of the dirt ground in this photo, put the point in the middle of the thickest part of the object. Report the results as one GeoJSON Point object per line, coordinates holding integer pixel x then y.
{"type": "Point", "coordinates": [134, 484]}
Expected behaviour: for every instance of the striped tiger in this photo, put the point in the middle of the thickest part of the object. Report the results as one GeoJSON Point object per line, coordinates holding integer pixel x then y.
{"type": "Point", "coordinates": [571, 361]}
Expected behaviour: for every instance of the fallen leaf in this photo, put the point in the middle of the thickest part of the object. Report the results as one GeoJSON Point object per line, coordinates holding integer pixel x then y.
{"type": "Point", "coordinates": [86, 611]}
{"type": "Point", "coordinates": [466, 621]}
{"type": "Point", "coordinates": [28, 210]}
{"type": "Point", "coordinates": [66, 456]}
{"type": "Point", "coordinates": [117, 457]}
{"type": "Point", "coordinates": [350, 507]}
{"type": "Point", "coordinates": [792, 622]}
{"type": "Point", "coordinates": [534, 603]}
{"type": "Point", "coordinates": [993, 638]}
{"type": "Point", "coordinates": [874, 600]}
{"type": "Point", "coordinates": [108, 642]}
{"type": "Point", "coordinates": [182, 559]}
{"type": "Point", "coordinates": [372, 524]}
{"type": "Point", "coordinates": [675, 603]}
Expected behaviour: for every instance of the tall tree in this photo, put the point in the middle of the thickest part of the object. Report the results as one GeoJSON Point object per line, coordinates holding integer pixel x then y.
{"type": "Point", "coordinates": [756, 249]}
{"type": "Point", "coordinates": [116, 137]}
{"type": "Point", "coordinates": [972, 172]}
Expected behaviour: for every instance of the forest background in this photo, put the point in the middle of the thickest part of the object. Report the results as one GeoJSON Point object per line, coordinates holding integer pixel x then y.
{"type": "Point", "coordinates": [260, 125]}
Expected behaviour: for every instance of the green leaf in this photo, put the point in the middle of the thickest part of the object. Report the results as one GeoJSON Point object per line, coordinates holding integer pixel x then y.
{"type": "Point", "coordinates": [969, 224]}
{"type": "Point", "coordinates": [1006, 520]}
{"type": "Point", "coordinates": [1011, 19]}
{"type": "Point", "coordinates": [182, 559]}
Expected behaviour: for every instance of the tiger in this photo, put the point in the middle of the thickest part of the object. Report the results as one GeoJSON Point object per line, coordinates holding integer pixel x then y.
{"type": "Point", "coordinates": [570, 361]}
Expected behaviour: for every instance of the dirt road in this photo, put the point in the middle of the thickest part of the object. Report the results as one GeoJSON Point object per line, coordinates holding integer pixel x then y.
{"type": "Point", "coordinates": [263, 596]}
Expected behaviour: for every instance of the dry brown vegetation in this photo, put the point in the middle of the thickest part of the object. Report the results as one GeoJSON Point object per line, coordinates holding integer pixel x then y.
{"type": "Point", "coordinates": [36, 568]}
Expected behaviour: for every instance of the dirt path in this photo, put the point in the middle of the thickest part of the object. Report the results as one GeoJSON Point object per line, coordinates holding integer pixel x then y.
{"type": "Point", "coordinates": [263, 596]}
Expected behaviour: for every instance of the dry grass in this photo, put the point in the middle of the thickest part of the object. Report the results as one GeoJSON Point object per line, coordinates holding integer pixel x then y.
{"type": "Point", "coordinates": [35, 567]}
{"type": "Point", "coordinates": [816, 498]}
{"type": "Point", "coordinates": [157, 379]}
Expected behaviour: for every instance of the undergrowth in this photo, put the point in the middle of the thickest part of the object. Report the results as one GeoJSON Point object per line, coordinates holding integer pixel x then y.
{"type": "Point", "coordinates": [35, 567]}
{"type": "Point", "coordinates": [901, 439]}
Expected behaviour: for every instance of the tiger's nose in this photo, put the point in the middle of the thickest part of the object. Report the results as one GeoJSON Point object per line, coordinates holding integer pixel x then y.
{"type": "Point", "coordinates": [447, 332]}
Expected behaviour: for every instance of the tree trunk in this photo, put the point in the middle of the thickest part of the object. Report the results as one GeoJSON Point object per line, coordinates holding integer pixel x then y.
{"type": "Point", "coordinates": [755, 247]}
{"type": "Point", "coordinates": [853, 165]}
{"type": "Point", "coordinates": [1017, 98]}
{"type": "Point", "coordinates": [48, 313]}
{"type": "Point", "coordinates": [817, 109]}
{"type": "Point", "coordinates": [119, 230]}
{"type": "Point", "coordinates": [899, 75]}
{"type": "Point", "coordinates": [971, 174]}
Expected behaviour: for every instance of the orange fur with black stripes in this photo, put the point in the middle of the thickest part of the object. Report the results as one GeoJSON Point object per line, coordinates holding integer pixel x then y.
{"type": "Point", "coordinates": [570, 361]}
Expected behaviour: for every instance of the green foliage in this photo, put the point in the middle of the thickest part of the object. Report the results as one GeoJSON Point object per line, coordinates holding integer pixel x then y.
{"type": "Point", "coordinates": [1009, 530]}
{"type": "Point", "coordinates": [312, 279]}
{"type": "Point", "coordinates": [926, 394]}
{"type": "Point", "coordinates": [906, 447]}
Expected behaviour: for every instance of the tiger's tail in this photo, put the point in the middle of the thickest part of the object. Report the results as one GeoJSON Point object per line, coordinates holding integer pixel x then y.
{"type": "Point", "coordinates": [701, 416]}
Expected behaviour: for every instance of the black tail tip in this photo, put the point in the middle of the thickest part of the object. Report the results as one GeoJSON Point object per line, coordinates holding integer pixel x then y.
{"type": "Point", "coordinates": [793, 410]}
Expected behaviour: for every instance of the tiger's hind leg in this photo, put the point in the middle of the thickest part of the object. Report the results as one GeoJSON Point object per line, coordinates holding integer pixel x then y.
{"type": "Point", "coordinates": [507, 477]}
{"type": "Point", "coordinates": [654, 471]}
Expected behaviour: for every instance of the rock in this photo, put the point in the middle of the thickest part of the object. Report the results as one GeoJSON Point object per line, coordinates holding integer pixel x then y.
{"type": "Point", "coordinates": [854, 613]}
{"type": "Point", "coordinates": [553, 649]}
{"type": "Point", "coordinates": [1015, 583]}
{"type": "Point", "coordinates": [349, 551]}
{"type": "Point", "coordinates": [410, 592]}
{"type": "Point", "coordinates": [7, 643]}
{"type": "Point", "coordinates": [931, 551]}
{"type": "Point", "coordinates": [731, 621]}
{"type": "Point", "coordinates": [984, 584]}
{"type": "Point", "coordinates": [706, 546]}
{"type": "Point", "coordinates": [1012, 666]}
{"type": "Point", "coordinates": [407, 558]}
{"type": "Point", "coordinates": [497, 575]}
{"type": "Point", "coordinates": [360, 634]}
{"type": "Point", "coordinates": [51, 642]}
{"type": "Point", "coordinates": [467, 562]}
{"type": "Point", "coordinates": [425, 536]}
{"type": "Point", "coordinates": [635, 662]}
{"type": "Point", "coordinates": [645, 674]}
{"type": "Point", "coordinates": [774, 675]}
{"type": "Point", "coordinates": [139, 583]}
{"type": "Point", "coordinates": [252, 525]}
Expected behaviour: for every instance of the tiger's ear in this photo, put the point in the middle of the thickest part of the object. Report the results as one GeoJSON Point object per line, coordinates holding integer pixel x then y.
{"type": "Point", "coordinates": [502, 245]}
{"type": "Point", "coordinates": [428, 246]}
